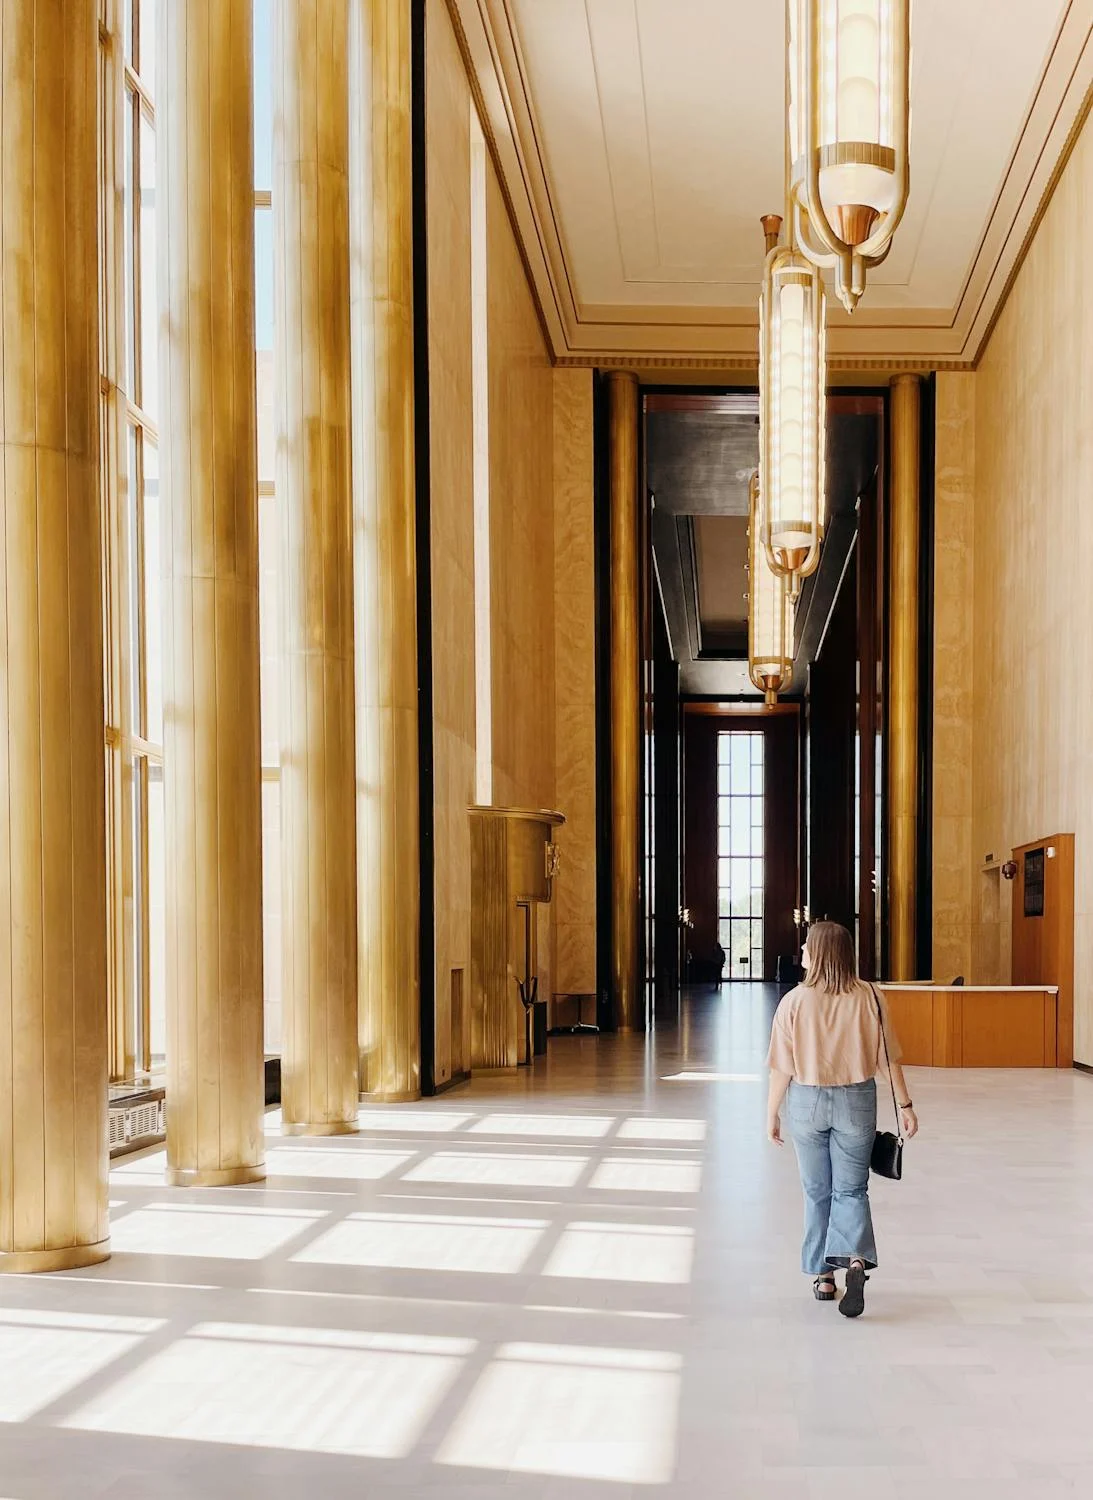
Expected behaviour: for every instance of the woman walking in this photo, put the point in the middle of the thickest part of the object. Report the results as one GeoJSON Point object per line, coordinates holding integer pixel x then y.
{"type": "Point", "coordinates": [826, 1049]}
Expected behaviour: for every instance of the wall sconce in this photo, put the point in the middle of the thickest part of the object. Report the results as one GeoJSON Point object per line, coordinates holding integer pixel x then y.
{"type": "Point", "coordinates": [1009, 870]}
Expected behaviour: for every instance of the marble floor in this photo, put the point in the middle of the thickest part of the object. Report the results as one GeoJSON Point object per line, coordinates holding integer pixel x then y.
{"type": "Point", "coordinates": [581, 1282]}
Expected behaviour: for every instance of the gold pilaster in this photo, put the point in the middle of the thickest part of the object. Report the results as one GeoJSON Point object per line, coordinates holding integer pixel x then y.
{"type": "Point", "coordinates": [385, 566]}
{"type": "Point", "coordinates": [53, 975]}
{"type": "Point", "coordinates": [319, 1071]}
{"type": "Point", "coordinates": [625, 702]}
{"type": "Point", "coordinates": [903, 672]}
{"type": "Point", "coordinates": [212, 744]}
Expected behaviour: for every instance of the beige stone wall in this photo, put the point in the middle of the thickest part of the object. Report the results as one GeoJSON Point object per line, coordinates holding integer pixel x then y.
{"type": "Point", "coordinates": [954, 509]}
{"type": "Point", "coordinates": [541, 558]}
{"type": "Point", "coordinates": [448, 107]}
{"type": "Point", "coordinates": [1032, 745]}
{"type": "Point", "coordinates": [521, 402]}
{"type": "Point", "coordinates": [575, 682]}
{"type": "Point", "coordinates": [521, 423]}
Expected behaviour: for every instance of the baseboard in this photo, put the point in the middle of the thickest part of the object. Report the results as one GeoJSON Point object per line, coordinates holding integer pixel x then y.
{"type": "Point", "coordinates": [454, 1082]}
{"type": "Point", "coordinates": [1083, 1068]}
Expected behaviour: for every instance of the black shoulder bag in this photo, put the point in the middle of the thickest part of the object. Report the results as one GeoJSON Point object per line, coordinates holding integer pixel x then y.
{"type": "Point", "coordinates": [887, 1157]}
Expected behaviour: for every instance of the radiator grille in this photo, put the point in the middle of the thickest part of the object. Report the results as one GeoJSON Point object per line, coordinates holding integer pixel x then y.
{"type": "Point", "coordinates": [135, 1122]}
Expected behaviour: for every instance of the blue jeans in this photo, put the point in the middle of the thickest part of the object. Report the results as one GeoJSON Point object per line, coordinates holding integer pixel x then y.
{"type": "Point", "coordinates": [833, 1132]}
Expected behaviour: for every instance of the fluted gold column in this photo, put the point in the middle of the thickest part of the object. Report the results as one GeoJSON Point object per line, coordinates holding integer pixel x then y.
{"type": "Point", "coordinates": [625, 703]}
{"type": "Point", "coordinates": [903, 607]}
{"type": "Point", "coordinates": [319, 1070]}
{"type": "Point", "coordinates": [53, 1020]}
{"type": "Point", "coordinates": [385, 572]}
{"type": "Point", "coordinates": [212, 746]}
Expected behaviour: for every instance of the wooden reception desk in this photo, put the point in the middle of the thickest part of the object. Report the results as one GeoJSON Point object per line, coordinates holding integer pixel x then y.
{"type": "Point", "coordinates": [975, 1026]}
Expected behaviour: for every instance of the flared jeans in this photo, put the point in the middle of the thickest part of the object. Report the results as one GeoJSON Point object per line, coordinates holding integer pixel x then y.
{"type": "Point", "coordinates": [832, 1130]}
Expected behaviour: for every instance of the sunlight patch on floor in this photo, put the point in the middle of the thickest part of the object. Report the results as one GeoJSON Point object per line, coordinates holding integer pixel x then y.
{"type": "Point", "coordinates": [652, 1253]}
{"type": "Point", "coordinates": [571, 1411]}
{"type": "Point", "coordinates": [497, 1170]}
{"type": "Point", "coordinates": [43, 1355]}
{"type": "Point", "coordinates": [230, 1231]}
{"type": "Point", "coordinates": [427, 1242]}
{"type": "Point", "coordinates": [318, 1390]}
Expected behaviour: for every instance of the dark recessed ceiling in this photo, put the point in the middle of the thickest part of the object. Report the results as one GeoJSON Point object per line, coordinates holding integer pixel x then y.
{"type": "Point", "coordinates": [699, 463]}
{"type": "Point", "coordinates": [700, 451]}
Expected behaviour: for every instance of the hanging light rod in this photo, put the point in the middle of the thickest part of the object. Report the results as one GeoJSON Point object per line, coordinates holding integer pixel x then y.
{"type": "Point", "coordinates": [848, 75]}
{"type": "Point", "coordinates": [792, 411]}
{"type": "Point", "coordinates": [770, 611]}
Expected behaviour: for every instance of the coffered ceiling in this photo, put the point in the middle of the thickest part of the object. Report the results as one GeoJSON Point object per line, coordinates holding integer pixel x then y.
{"type": "Point", "coordinates": [640, 141]}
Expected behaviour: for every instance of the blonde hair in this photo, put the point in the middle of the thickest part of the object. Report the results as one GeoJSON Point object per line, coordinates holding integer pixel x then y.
{"type": "Point", "coordinates": [832, 962]}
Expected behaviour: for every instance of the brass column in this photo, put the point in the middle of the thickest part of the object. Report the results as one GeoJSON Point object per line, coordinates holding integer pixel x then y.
{"type": "Point", "coordinates": [385, 570]}
{"type": "Point", "coordinates": [903, 749]}
{"type": "Point", "coordinates": [319, 1087]}
{"type": "Point", "coordinates": [625, 703]}
{"type": "Point", "coordinates": [53, 1017]}
{"type": "Point", "coordinates": [212, 746]}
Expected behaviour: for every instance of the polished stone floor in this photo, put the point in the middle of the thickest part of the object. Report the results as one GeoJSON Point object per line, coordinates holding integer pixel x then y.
{"type": "Point", "coordinates": [580, 1283]}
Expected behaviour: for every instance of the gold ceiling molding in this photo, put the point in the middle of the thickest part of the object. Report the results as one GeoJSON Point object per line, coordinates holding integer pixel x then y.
{"type": "Point", "coordinates": [1041, 209]}
{"type": "Point", "coordinates": [739, 364]}
{"type": "Point", "coordinates": [878, 339]}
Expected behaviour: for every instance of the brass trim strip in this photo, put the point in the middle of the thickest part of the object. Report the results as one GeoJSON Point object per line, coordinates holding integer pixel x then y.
{"type": "Point", "coordinates": [70, 1258]}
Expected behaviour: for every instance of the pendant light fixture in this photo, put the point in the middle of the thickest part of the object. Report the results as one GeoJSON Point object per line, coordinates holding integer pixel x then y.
{"type": "Point", "coordinates": [770, 611]}
{"type": "Point", "coordinates": [792, 412]}
{"type": "Point", "coordinates": [848, 76]}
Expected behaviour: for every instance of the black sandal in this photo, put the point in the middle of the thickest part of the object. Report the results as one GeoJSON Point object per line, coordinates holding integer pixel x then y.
{"type": "Point", "coordinates": [853, 1300]}
{"type": "Point", "coordinates": [823, 1287]}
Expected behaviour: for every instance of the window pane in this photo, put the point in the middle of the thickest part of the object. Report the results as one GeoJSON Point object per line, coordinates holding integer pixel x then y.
{"type": "Point", "coordinates": [263, 278]}
{"type": "Point", "coordinates": [129, 250]}
{"type": "Point", "coordinates": [263, 308]}
{"type": "Point", "coordinates": [132, 518]}
{"type": "Point", "coordinates": [271, 911]}
{"type": "Point", "coordinates": [741, 771]}
{"type": "Point", "coordinates": [263, 95]}
{"type": "Point", "coordinates": [147, 68]}
{"type": "Point", "coordinates": [134, 1001]}
{"type": "Point", "coordinates": [157, 912]}
{"type": "Point", "coordinates": [740, 831]}
{"type": "Point", "coordinates": [149, 316]}
{"type": "Point", "coordinates": [152, 597]}
{"type": "Point", "coordinates": [269, 627]}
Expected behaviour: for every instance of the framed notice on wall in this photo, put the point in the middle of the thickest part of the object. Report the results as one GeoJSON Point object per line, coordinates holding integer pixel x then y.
{"type": "Point", "coordinates": [1034, 883]}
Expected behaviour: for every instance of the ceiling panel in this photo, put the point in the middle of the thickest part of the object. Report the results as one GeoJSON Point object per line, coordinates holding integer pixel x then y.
{"type": "Point", "coordinates": [641, 140]}
{"type": "Point", "coordinates": [721, 560]}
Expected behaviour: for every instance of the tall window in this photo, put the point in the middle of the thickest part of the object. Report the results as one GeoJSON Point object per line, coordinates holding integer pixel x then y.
{"type": "Point", "coordinates": [131, 532]}
{"type": "Point", "coordinates": [269, 521]}
{"type": "Point", "coordinates": [132, 594]}
{"type": "Point", "coordinates": [740, 867]}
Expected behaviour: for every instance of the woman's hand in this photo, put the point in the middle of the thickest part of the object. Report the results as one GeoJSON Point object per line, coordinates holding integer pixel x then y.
{"type": "Point", "coordinates": [774, 1131]}
{"type": "Point", "coordinates": [910, 1122]}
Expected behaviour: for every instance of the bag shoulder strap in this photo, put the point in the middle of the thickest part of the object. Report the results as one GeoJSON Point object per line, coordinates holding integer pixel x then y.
{"type": "Point", "coordinates": [888, 1064]}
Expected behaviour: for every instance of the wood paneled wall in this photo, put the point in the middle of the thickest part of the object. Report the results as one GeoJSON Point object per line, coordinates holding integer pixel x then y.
{"type": "Point", "coordinates": [831, 725]}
